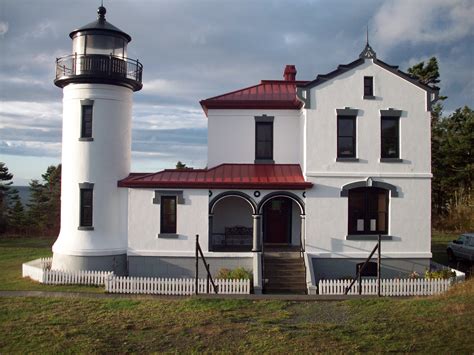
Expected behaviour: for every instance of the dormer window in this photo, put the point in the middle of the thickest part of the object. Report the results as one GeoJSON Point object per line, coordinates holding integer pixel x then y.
{"type": "Point", "coordinates": [368, 87]}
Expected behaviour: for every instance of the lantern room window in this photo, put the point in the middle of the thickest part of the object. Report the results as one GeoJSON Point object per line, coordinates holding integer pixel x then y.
{"type": "Point", "coordinates": [99, 44]}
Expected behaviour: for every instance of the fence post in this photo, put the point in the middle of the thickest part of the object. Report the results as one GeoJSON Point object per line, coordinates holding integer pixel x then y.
{"type": "Point", "coordinates": [207, 285]}
{"type": "Point", "coordinates": [379, 257]}
{"type": "Point", "coordinates": [196, 276]}
{"type": "Point", "coordinates": [360, 280]}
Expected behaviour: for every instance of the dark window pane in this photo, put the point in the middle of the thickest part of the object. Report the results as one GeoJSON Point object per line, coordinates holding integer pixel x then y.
{"type": "Point", "coordinates": [264, 140]}
{"type": "Point", "coordinates": [390, 137]}
{"type": "Point", "coordinates": [368, 86]}
{"type": "Point", "coordinates": [346, 136]}
{"type": "Point", "coordinates": [85, 208]}
{"type": "Point", "coordinates": [86, 123]}
{"type": "Point", "coordinates": [368, 211]}
{"type": "Point", "coordinates": [346, 147]}
{"type": "Point", "coordinates": [168, 214]}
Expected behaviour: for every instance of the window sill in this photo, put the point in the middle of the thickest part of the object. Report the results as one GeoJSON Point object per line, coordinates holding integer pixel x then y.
{"type": "Point", "coordinates": [347, 160]}
{"type": "Point", "coordinates": [85, 228]}
{"type": "Point", "coordinates": [391, 160]}
{"type": "Point", "coordinates": [264, 161]}
{"type": "Point", "coordinates": [86, 139]}
{"type": "Point", "coordinates": [367, 237]}
{"type": "Point", "coordinates": [369, 97]}
{"type": "Point", "coordinates": [168, 235]}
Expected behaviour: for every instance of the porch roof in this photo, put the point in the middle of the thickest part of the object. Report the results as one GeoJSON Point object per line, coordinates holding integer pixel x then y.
{"type": "Point", "coordinates": [224, 176]}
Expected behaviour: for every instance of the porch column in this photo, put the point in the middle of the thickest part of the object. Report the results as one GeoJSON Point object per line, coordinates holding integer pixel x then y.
{"type": "Point", "coordinates": [210, 225]}
{"type": "Point", "coordinates": [256, 232]}
{"type": "Point", "coordinates": [303, 230]}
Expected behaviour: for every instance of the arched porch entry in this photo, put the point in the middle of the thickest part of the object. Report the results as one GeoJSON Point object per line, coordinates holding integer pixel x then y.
{"type": "Point", "coordinates": [231, 222]}
{"type": "Point", "coordinates": [283, 220]}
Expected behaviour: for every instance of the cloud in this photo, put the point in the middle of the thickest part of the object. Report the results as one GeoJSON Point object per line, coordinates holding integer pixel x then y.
{"type": "Point", "coordinates": [3, 28]}
{"type": "Point", "coordinates": [423, 21]}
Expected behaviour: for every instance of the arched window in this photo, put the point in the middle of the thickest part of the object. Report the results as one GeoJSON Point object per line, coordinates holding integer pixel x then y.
{"type": "Point", "coordinates": [368, 210]}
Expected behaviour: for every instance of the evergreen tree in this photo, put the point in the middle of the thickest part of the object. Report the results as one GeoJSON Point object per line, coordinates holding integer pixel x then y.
{"type": "Point", "coordinates": [37, 208]}
{"type": "Point", "coordinates": [16, 213]}
{"type": "Point", "coordinates": [180, 165]}
{"type": "Point", "coordinates": [5, 190]}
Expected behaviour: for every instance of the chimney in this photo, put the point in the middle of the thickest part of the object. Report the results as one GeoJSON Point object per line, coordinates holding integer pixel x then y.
{"type": "Point", "coordinates": [290, 73]}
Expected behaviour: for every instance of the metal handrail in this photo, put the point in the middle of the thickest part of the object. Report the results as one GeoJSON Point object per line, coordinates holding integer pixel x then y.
{"type": "Point", "coordinates": [361, 269]}
{"type": "Point", "coordinates": [97, 64]}
{"type": "Point", "coordinates": [209, 276]}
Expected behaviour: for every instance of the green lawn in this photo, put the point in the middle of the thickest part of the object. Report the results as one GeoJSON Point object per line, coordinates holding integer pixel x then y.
{"type": "Point", "coordinates": [441, 324]}
{"type": "Point", "coordinates": [15, 251]}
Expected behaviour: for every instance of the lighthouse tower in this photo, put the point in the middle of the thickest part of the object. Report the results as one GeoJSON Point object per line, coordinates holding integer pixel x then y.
{"type": "Point", "coordinates": [98, 81]}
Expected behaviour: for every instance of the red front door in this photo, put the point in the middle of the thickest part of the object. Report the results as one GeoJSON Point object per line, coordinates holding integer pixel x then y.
{"type": "Point", "coordinates": [277, 221]}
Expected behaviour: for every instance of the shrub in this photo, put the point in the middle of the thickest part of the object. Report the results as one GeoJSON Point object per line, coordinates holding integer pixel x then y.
{"type": "Point", "coordinates": [440, 274]}
{"type": "Point", "coordinates": [239, 273]}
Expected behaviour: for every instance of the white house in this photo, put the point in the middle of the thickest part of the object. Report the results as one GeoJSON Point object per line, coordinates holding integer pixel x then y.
{"type": "Point", "coordinates": [302, 176]}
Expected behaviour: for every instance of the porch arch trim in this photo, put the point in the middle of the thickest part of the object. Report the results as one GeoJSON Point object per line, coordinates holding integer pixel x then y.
{"type": "Point", "coordinates": [223, 195]}
{"type": "Point", "coordinates": [286, 194]}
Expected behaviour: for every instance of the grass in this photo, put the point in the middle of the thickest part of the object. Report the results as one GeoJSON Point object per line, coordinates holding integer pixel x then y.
{"type": "Point", "coordinates": [439, 324]}
{"type": "Point", "coordinates": [14, 251]}
{"type": "Point", "coordinates": [50, 325]}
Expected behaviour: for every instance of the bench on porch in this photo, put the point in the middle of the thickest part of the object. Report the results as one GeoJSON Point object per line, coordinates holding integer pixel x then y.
{"type": "Point", "coordinates": [234, 236]}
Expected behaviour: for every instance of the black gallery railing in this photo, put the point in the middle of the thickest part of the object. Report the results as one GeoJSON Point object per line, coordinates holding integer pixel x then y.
{"type": "Point", "coordinates": [100, 66]}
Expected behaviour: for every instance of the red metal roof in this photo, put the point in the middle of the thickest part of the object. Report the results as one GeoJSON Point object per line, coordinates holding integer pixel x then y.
{"type": "Point", "coordinates": [225, 176]}
{"type": "Point", "coordinates": [269, 94]}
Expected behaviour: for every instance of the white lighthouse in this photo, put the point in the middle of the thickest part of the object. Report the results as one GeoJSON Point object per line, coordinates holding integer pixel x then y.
{"type": "Point", "coordinates": [98, 82]}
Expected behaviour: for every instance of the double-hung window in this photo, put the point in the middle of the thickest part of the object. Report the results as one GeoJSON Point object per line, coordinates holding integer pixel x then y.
{"type": "Point", "coordinates": [264, 139]}
{"type": "Point", "coordinates": [390, 137]}
{"type": "Point", "coordinates": [168, 215]}
{"type": "Point", "coordinates": [368, 87]}
{"type": "Point", "coordinates": [368, 210]}
{"type": "Point", "coordinates": [346, 136]}
{"type": "Point", "coordinates": [86, 200]}
{"type": "Point", "coordinates": [86, 120]}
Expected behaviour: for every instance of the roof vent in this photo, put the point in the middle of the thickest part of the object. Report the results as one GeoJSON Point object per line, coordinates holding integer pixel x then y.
{"type": "Point", "coordinates": [290, 73]}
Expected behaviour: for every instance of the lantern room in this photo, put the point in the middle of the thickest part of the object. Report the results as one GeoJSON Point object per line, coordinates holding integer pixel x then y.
{"type": "Point", "coordinates": [99, 55]}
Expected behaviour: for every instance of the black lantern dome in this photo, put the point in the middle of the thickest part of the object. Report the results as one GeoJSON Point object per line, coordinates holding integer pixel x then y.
{"type": "Point", "coordinates": [99, 56]}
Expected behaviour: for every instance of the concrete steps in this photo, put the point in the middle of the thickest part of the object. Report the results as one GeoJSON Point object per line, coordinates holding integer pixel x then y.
{"type": "Point", "coordinates": [284, 272]}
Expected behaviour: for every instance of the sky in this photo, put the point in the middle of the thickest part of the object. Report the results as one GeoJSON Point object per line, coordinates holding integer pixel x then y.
{"type": "Point", "coordinates": [192, 50]}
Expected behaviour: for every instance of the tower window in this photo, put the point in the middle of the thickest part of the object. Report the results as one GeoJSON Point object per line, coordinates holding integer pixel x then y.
{"type": "Point", "coordinates": [368, 87]}
{"type": "Point", "coordinates": [86, 202]}
{"type": "Point", "coordinates": [346, 136]}
{"type": "Point", "coordinates": [168, 215]}
{"type": "Point", "coordinates": [390, 137]}
{"type": "Point", "coordinates": [86, 121]}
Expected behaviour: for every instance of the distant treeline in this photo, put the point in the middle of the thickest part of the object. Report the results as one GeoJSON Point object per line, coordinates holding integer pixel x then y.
{"type": "Point", "coordinates": [40, 215]}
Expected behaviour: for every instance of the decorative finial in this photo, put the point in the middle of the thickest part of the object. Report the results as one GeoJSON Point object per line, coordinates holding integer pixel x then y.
{"type": "Point", "coordinates": [368, 52]}
{"type": "Point", "coordinates": [101, 11]}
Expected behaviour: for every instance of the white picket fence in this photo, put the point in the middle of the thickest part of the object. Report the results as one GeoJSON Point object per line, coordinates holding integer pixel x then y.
{"type": "Point", "coordinates": [82, 277]}
{"type": "Point", "coordinates": [40, 270]}
{"type": "Point", "coordinates": [173, 286]}
{"type": "Point", "coordinates": [389, 287]}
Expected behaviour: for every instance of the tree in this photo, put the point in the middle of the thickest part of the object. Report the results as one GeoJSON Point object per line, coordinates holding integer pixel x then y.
{"type": "Point", "coordinates": [5, 190]}
{"type": "Point", "coordinates": [452, 144]}
{"type": "Point", "coordinates": [180, 165]}
{"type": "Point", "coordinates": [45, 206]}
{"type": "Point", "coordinates": [16, 213]}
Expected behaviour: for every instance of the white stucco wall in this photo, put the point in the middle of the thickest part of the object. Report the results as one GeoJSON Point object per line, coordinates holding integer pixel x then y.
{"type": "Point", "coordinates": [230, 212]}
{"type": "Point", "coordinates": [409, 220]}
{"type": "Point", "coordinates": [144, 224]}
{"type": "Point", "coordinates": [103, 162]}
{"type": "Point", "coordinates": [231, 136]}
{"type": "Point", "coordinates": [346, 90]}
